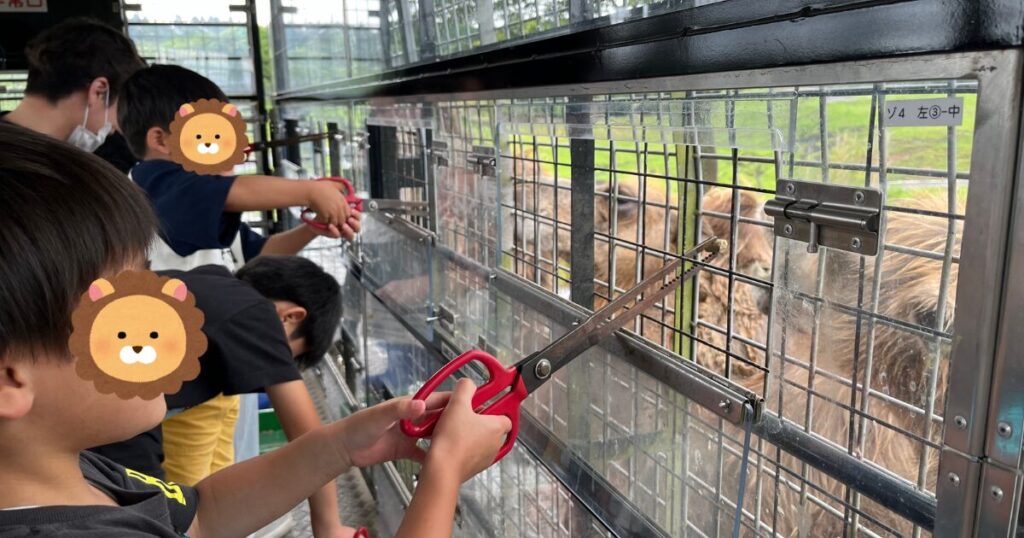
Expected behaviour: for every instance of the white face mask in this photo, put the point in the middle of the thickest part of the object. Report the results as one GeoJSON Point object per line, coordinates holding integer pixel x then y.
{"type": "Point", "coordinates": [87, 140]}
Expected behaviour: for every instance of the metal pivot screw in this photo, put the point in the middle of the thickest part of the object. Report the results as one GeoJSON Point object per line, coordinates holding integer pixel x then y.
{"type": "Point", "coordinates": [855, 243]}
{"type": "Point", "coordinates": [724, 404]}
{"type": "Point", "coordinates": [858, 197]}
{"type": "Point", "coordinates": [960, 422]}
{"type": "Point", "coordinates": [997, 493]}
{"type": "Point", "coordinates": [543, 369]}
{"type": "Point", "coordinates": [373, 205]}
{"type": "Point", "coordinates": [953, 479]}
{"type": "Point", "coordinates": [790, 188]}
{"type": "Point", "coordinates": [787, 229]}
{"type": "Point", "coordinates": [1004, 429]}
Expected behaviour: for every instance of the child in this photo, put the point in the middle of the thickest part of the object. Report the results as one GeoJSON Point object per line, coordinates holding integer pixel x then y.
{"type": "Point", "coordinates": [200, 215]}
{"type": "Point", "coordinates": [48, 414]}
{"type": "Point", "coordinates": [295, 306]}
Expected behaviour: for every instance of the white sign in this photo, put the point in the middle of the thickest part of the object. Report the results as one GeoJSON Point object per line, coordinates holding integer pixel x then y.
{"type": "Point", "coordinates": [23, 6]}
{"type": "Point", "coordinates": [948, 111]}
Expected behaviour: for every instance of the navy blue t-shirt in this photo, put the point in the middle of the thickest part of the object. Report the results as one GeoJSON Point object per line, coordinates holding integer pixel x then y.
{"type": "Point", "coordinates": [190, 207]}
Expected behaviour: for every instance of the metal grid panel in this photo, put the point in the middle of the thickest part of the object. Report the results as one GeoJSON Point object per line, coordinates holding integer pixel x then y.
{"type": "Point", "coordinates": [466, 181]}
{"type": "Point", "coordinates": [350, 117]}
{"type": "Point", "coordinates": [518, 497]}
{"type": "Point", "coordinates": [327, 40]}
{"type": "Point", "coordinates": [535, 184]}
{"type": "Point", "coordinates": [406, 168]}
{"type": "Point", "coordinates": [720, 166]}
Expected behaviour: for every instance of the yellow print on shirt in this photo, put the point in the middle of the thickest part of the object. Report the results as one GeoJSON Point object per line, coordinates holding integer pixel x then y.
{"type": "Point", "coordinates": [170, 489]}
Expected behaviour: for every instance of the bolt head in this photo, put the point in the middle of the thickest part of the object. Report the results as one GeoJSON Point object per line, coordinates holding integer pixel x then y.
{"type": "Point", "coordinates": [1004, 429]}
{"type": "Point", "coordinates": [787, 229]}
{"type": "Point", "coordinates": [954, 479]}
{"type": "Point", "coordinates": [858, 197]}
{"type": "Point", "coordinates": [790, 188]}
{"type": "Point", "coordinates": [997, 493]}
{"type": "Point", "coordinates": [855, 243]}
{"type": "Point", "coordinates": [542, 369]}
{"type": "Point", "coordinates": [960, 422]}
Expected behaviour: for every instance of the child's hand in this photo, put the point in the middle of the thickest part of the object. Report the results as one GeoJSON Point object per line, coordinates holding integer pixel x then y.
{"type": "Point", "coordinates": [348, 230]}
{"type": "Point", "coordinates": [328, 201]}
{"type": "Point", "coordinates": [373, 436]}
{"type": "Point", "coordinates": [463, 441]}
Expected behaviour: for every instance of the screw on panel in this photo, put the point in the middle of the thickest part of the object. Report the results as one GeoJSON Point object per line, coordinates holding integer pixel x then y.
{"type": "Point", "coordinates": [960, 422]}
{"type": "Point", "coordinates": [1004, 429]}
{"type": "Point", "coordinates": [858, 197]}
{"type": "Point", "coordinates": [855, 243]}
{"type": "Point", "coordinates": [543, 369]}
{"type": "Point", "coordinates": [724, 404]}
{"type": "Point", "coordinates": [790, 188]}
{"type": "Point", "coordinates": [997, 493]}
{"type": "Point", "coordinates": [953, 479]}
{"type": "Point", "coordinates": [787, 229]}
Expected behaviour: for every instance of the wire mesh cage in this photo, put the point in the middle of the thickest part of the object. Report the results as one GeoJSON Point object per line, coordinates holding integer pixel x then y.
{"type": "Point", "coordinates": [850, 351]}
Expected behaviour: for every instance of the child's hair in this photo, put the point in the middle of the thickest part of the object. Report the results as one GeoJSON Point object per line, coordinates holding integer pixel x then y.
{"type": "Point", "coordinates": [296, 279]}
{"type": "Point", "coordinates": [70, 55]}
{"type": "Point", "coordinates": [66, 218]}
{"type": "Point", "coordinates": [152, 96]}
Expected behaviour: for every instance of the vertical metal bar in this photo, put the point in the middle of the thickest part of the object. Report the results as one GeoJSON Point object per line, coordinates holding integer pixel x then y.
{"type": "Point", "coordinates": [981, 327]}
{"type": "Point", "coordinates": [377, 158]}
{"type": "Point", "coordinates": [385, 33]}
{"type": "Point", "coordinates": [334, 148]}
{"type": "Point", "coordinates": [579, 11]}
{"type": "Point", "coordinates": [256, 45]}
{"type": "Point", "coordinates": [280, 44]}
{"type": "Point", "coordinates": [428, 30]}
{"type": "Point", "coordinates": [485, 20]}
{"type": "Point", "coordinates": [581, 253]}
{"type": "Point", "coordinates": [410, 51]}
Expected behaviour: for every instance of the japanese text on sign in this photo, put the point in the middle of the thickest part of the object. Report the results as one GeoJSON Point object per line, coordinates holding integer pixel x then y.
{"type": "Point", "coordinates": [23, 6]}
{"type": "Point", "coordinates": [947, 111]}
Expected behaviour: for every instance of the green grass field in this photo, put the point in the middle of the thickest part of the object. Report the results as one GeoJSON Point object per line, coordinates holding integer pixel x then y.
{"type": "Point", "coordinates": [848, 138]}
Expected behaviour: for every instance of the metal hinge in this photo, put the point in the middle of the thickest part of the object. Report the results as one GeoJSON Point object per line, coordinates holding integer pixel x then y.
{"type": "Point", "coordinates": [483, 160]}
{"type": "Point", "coordinates": [834, 216]}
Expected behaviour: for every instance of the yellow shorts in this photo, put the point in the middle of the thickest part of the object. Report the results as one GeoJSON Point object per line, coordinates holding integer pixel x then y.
{"type": "Point", "coordinates": [200, 440]}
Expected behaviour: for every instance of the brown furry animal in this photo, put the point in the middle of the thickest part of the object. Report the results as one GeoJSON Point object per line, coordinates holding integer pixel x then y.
{"type": "Point", "coordinates": [904, 365]}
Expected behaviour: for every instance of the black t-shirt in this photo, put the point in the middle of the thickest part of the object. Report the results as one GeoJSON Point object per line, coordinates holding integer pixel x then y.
{"type": "Point", "coordinates": [146, 507]}
{"type": "Point", "coordinates": [246, 352]}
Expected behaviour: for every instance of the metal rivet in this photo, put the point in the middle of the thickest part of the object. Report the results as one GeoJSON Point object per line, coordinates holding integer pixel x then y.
{"type": "Point", "coordinates": [960, 422]}
{"type": "Point", "coordinates": [724, 404]}
{"type": "Point", "coordinates": [543, 369]}
{"type": "Point", "coordinates": [953, 479]}
{"type": "Point", "coordinates": [1004, 429]}
{"type": "Point", "coordinates": [855, 243]}
{"type": "Point", "coordinates": [858, 197]}
{"type": "Point", "coordinates": [790, 188]}
{"type": "Point", "coordinates": [787, 229]}
{"type": "Point", "coordinates": [997, 493]}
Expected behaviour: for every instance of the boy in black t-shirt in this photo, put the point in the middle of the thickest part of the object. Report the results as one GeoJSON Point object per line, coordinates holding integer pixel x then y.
{"type": "Point", "coordinates": [67, 219]}
{"type": "Point", "coordinates": [295, 307]}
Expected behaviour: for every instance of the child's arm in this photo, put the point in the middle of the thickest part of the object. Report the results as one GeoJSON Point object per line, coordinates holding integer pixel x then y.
{"type": "Point", "coordinates": [245, 497]}
{"type": "Point", "coordinates": [291, 242]}
{"type": "Point", "coordinates": [464, 443]}
{"type": "Point", "coordinates": [298, 415]}
{"type": "Point", "coordinates": [263, 193]}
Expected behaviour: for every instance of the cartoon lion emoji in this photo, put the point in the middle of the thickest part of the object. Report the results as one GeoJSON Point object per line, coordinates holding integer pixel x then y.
{"type": "Point", "coordinates": [208, 137]}
{"type": "Point", "coordinates": [137, 334]}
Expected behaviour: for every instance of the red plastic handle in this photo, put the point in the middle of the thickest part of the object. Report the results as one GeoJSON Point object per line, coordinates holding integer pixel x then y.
{"type": "Point", "coordinates": [361, 532]}
{"type": "Point", "coordinates": [500, 380]}
{"type": "Point", "coordinates": [355, 202]}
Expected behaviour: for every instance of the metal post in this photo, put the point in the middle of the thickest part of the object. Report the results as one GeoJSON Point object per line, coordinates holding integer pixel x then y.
{"type": "Point", "coordinates": [334, 148]}
{"type": "Point", "coordinates": [485, 20]}
{"type": "Point", "coordinates": [278, 41]}
{"type": "Point", "coordinates": [255, 43]}
{"type": "Point", "coordinates": [409, 50]}
{"type": "Point", "coordinates": [581, 253]}
{"type": "Point", "coordinates": [428, 30]}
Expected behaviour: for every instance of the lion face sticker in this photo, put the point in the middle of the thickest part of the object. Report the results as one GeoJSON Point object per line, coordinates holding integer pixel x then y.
{"type": "Point", "coordinates": [208, 137]}
{"type": "Point", "coordinates": [137, 335]}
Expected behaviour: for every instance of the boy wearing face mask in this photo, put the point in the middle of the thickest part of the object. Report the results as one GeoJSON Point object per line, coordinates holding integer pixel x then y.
{"type": "Point", "coordinates": [75, 72]}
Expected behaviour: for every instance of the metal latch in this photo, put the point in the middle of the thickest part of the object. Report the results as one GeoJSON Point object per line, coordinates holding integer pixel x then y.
{"type": "Point", "coordinates": [439, 152]}
{"type": "Point", "coordinates": [483, 160]}
{"type": "Point", "coordinates": [835, 216]}
{"type": "Point", "coordinates": [445, 318]}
